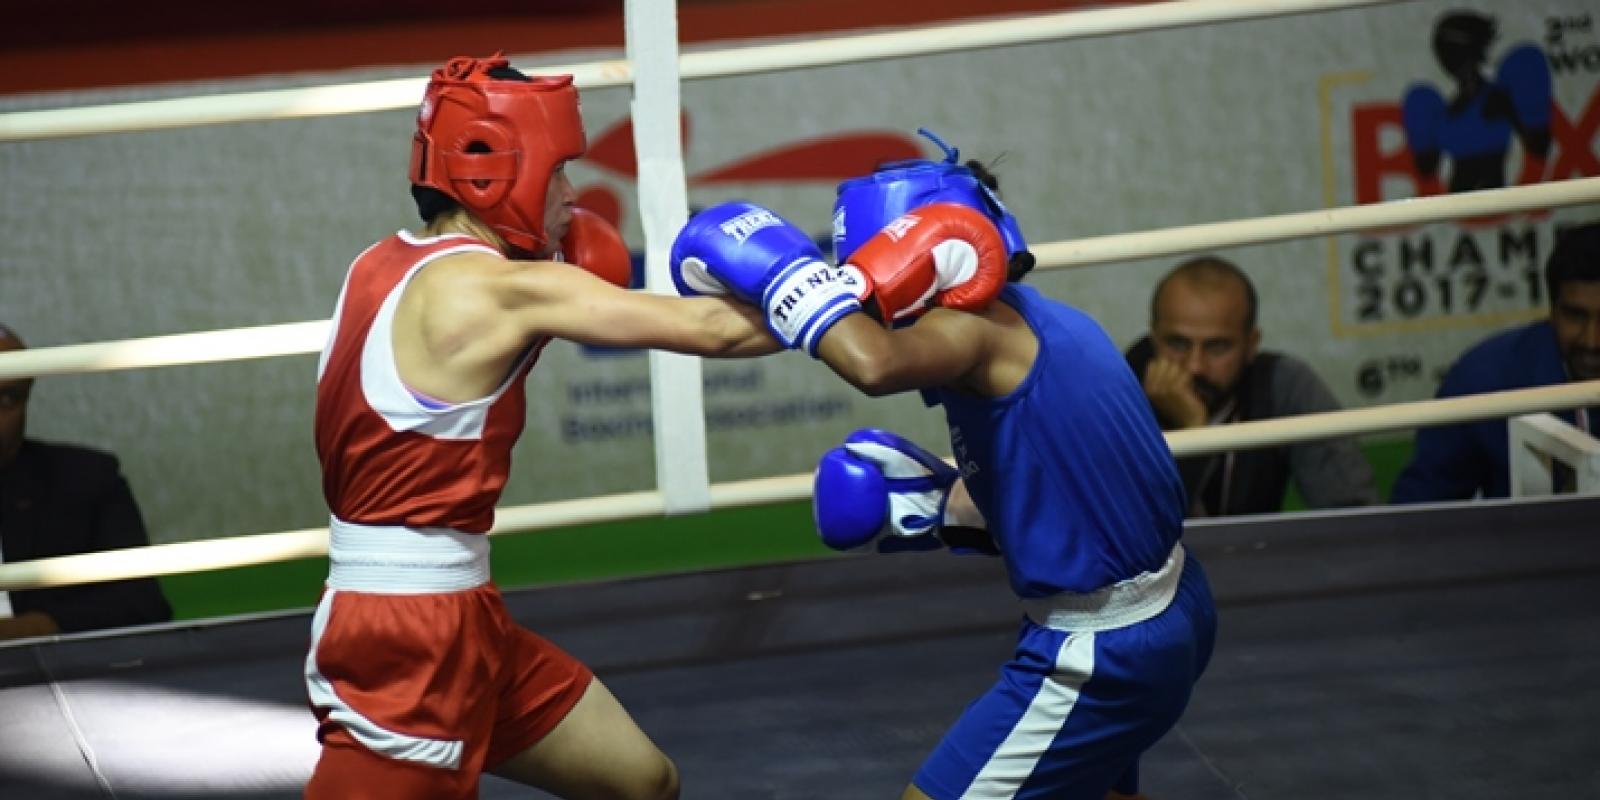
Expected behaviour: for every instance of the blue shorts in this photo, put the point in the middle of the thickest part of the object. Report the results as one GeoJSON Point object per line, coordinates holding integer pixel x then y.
{"type": "Point", "coordinates": [1073, 711]}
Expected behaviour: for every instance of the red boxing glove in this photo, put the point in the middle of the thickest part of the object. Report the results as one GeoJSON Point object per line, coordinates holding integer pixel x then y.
{"type": "Point", "coordinates": [593, 244]}
{"type": "Point", "coordinates": [942, 253]}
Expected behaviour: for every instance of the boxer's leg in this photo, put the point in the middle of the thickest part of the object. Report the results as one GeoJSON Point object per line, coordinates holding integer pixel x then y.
{"type": "Point", "coordinates": [595, 751]}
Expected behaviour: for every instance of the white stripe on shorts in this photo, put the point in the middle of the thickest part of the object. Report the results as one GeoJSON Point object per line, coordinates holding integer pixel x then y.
{"type": "Point", "coordinates": [1017, 756]}
{"type": "Point", "coordinates": [443, 753]}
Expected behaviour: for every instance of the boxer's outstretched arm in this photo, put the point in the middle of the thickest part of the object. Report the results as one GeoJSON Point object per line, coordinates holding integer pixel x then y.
{"type": "Point", "coordinates": [559, 300]}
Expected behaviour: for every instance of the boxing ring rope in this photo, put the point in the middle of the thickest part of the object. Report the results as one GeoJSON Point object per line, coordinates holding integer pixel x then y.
{"type": "Point", "coordinates": [299, 338]}
{"type": "Point", "coordinates": [392, 95]}
{"type": "Point", "coordinates": [1306, 224]}
{"type": "Point", "coordinates": [240, 551]}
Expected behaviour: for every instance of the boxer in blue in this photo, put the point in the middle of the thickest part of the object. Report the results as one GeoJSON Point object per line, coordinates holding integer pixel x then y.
{"type": "Point", "coordinates": [1059, 459]}
{"type": "Point", "coordinates": [1475, 126]}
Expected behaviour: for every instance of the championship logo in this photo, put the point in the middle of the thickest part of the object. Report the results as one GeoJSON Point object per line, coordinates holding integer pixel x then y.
{"type": "Point", "coordinates": [1499, 109]}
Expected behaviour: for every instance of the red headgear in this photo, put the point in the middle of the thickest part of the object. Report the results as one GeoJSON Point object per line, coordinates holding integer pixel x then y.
{"type": "Point", "coordinates": [493, 144]}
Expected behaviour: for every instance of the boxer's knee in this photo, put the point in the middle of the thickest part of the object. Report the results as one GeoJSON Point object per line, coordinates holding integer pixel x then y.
{"type": "Point", "coordinates": [658, 781]}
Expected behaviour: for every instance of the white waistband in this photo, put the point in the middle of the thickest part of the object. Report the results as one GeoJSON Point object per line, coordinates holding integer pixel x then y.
{"type": "Point", "coordinates": [1116, 606]}
{"type": "Point", "coordinates": [394, 559]}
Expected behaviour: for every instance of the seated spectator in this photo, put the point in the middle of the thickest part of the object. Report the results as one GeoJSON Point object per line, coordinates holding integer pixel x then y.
{"type": "Point", "coordinates": [59, 500]}
{"type": "Point", "coordinates": [1201, 365]}
{"type": "Point", "coordinates": [1455, 462]}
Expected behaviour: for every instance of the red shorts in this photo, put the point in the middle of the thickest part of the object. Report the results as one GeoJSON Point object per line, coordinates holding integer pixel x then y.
{"type": "Point", "coordinates": [417, 694]}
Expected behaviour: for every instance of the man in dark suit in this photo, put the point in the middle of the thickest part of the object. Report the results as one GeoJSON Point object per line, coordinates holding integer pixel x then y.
{"type": "Point", "coordinates": [59, 500]}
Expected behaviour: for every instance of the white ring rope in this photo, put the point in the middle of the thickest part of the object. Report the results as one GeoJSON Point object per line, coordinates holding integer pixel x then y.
{"type": "Point", "coordinates": [238, 551]}
{"type": "Point", "coordinates": [403, 93]}
{"type": "Point", "coordinates": [1306, 224]}
{"type": "Point", "coordinates": [204, 347]}
{"type": "Point", "coordinates": [308, 337]}
{"type": "Point", "coordinates": [1381, 419]}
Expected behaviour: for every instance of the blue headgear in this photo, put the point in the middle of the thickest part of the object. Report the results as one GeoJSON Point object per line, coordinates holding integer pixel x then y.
{"type": "Point", "coordinates": [866, 204]}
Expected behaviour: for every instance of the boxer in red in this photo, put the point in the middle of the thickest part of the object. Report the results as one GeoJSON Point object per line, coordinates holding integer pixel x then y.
{"type": "Point", "coordinates": [419, 678]}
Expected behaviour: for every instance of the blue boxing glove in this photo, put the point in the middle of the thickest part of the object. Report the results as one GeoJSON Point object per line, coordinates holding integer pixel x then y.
{"type": "Point", "coordinates": [1524, 74]}
{"type": "Point", "coordinates": [881, 491]}
{"type": "Point", "coordinates": [757, 256]}
{"type": "Point", "coordinates": [1422, 115]}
